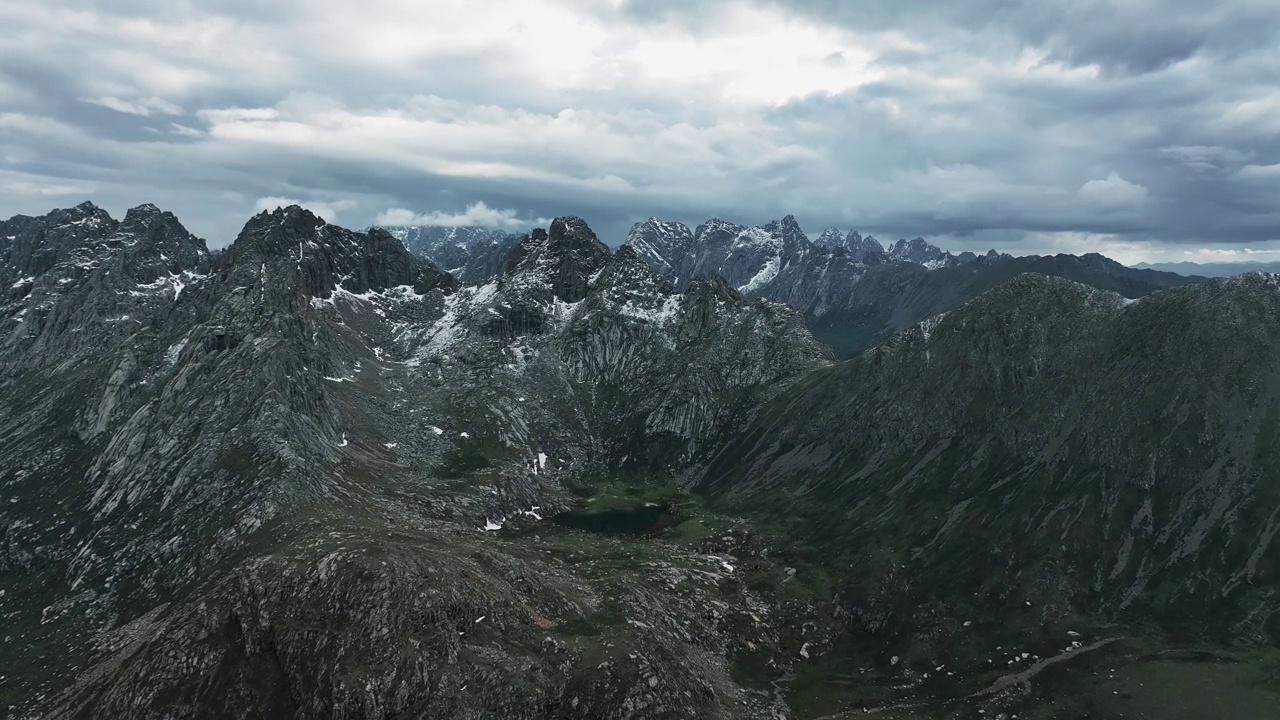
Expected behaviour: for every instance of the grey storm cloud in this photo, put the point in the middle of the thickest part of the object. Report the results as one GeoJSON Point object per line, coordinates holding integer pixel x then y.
{"type": "Point", "coordinates": [1135, 127]}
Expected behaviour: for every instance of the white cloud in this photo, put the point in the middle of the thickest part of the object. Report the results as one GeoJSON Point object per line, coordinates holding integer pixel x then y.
{"type": "Point", "coordinates": [31, 188]}
{"type": "Point", "coordinates": [38, 186]}
{"type": "Point", "coordinates": [233, 115]}
{"type": "Point", "coordinates": [624, 154]}
{"type": "Point", "coordinates": [141, 106]}
{"type": "Point", "coordinates": [753, 53]}
{"type": "Point", "coordinates": [1260, 114]}
{"type": "Point", "coordinates": [917, 121]}
{"type": "Point", "coordinates": [476, 215]}
{"type": "Point", "coordinates": [1113, 193]}
{"type": "Point", "coordinates": [758, 55]}
{"type": "Point", "coordinates": [327, 211]}
{"type": "Point", "coordinates": [1259, 172]}
{"type": "Point", "coordinates": [130, 49]}
{"type": "Point", "coordinates": [37, 125]}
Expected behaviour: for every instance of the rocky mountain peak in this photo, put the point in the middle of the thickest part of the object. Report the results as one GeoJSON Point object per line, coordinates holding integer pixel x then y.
{"type": "Point", "coordinates": [274, 234]}
{"type": "Point", "coordinates": [572, 234]}
{"type": "Point", "coordinates": [715, 227]}
{"type": "Point", "coordinates": [86, 215]}
{"type": "Point", "coordinates": [78, 268]}
{"type": "Point", "coordinates": [627, 269]}
{"type": "Point", "coordinates": [854, 240]}
{"type": "Point", "coordinates": [788, 229]}
{"type": "Point", "coordinates": [291, 249]}
{"type": "Point", "coordinates": [656, 227]}
{"type": "Point", "coordinates": [471, 253]}
{"type": "Point", "coordinates": [853, 244]}
{"type": "Point", "coordinates": [564, 258]}
{"type": "Point", "coordinates": [33, 246]}
{"type": "Point", "coordinates": [917, 251]}
{"type": "Point", "coordinates": [1100, 262]}
{"type": "Point", "coordinates": [147, 217]}
{"type": "Point", "coordinates": [664, 235]}
{"type": "Point", "coordinates": [85, 209]}
{"type": "Point", "coordinates": [155, 243]}
{"type": "Point", "coordinates": [290, 221]}
{"type": "Point", "coordinates": [829, 238]}
{"type": "Point", "coordinates": [704, 299]}
{"type": "Point", "coordinates": [714, 287]}
{"type": "Point", "coordinates": [627, 256]}
{"type": "Point", "coordinates": [142, 211]}
{"type": "Point", "coordinates": [662, 245]}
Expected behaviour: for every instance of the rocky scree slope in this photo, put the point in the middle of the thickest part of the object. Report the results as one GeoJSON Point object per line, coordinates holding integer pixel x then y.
{"type": "Point", "coordinates": [853, 292]}
{"type": "Point", "coordinates": [273, 483]}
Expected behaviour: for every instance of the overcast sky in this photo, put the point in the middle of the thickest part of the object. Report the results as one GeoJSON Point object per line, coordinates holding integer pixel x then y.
{"type": "Point", "coordinates": [1148, 130]}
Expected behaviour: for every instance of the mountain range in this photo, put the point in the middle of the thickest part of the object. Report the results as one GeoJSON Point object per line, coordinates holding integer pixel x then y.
{"type": "Point", "coordinates": [470, 254]}
{"type": "Point", "coordinates": [315, 475]}
{"type": "Point", "coordinates": [1220, 269]}
{"type": "Point", "coordinates": [853, 291]}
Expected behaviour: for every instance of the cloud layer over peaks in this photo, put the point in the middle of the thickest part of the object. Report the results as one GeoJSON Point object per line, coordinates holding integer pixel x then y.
{"type": "Point", "coordinates": [1139, 127]}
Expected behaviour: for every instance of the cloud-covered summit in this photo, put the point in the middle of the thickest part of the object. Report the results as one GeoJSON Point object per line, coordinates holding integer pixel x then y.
{"type": "Point", "coordinates": [1131, 127]}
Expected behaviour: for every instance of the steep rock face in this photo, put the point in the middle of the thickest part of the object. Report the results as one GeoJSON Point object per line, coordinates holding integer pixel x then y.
{"type": "Point", "coordinates": [746, 258]}
{"type": "Point", "coordinates": [470, 254]}
{"type": "Point", "coordinates": [862, 248]}
{"type": "Point", "coordinates": [664, 246]}
{"type": "Point", "coordinates": [563, 260]}
{"type": "Point", "coordinates": [33, 246]}
{"type": "Point", "coordinates": [672, 358]}
{"type": "Point", "coordinates": [204, 390]}
{"type": "Point", "coordinates": [544, 269]}
{"type": "Point", "coordinates": [315, 258]}
{"type": "Point", "coordinates": [155, 245]}
{"type": "Point", "coordinates": [78, 281]}
{"type": "Point", "coordinates": [689, 366]}
{"type": "Point", "coordinates": [1045, 451]}
{"type": "Point", "coordinates": [829, 239]}
{"type": "Point", "coordinates": [141, 450]}
{"type": "Point", "coordinates": [284, 497]}
{"type": "Point", "coordinates": [738, 254]}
